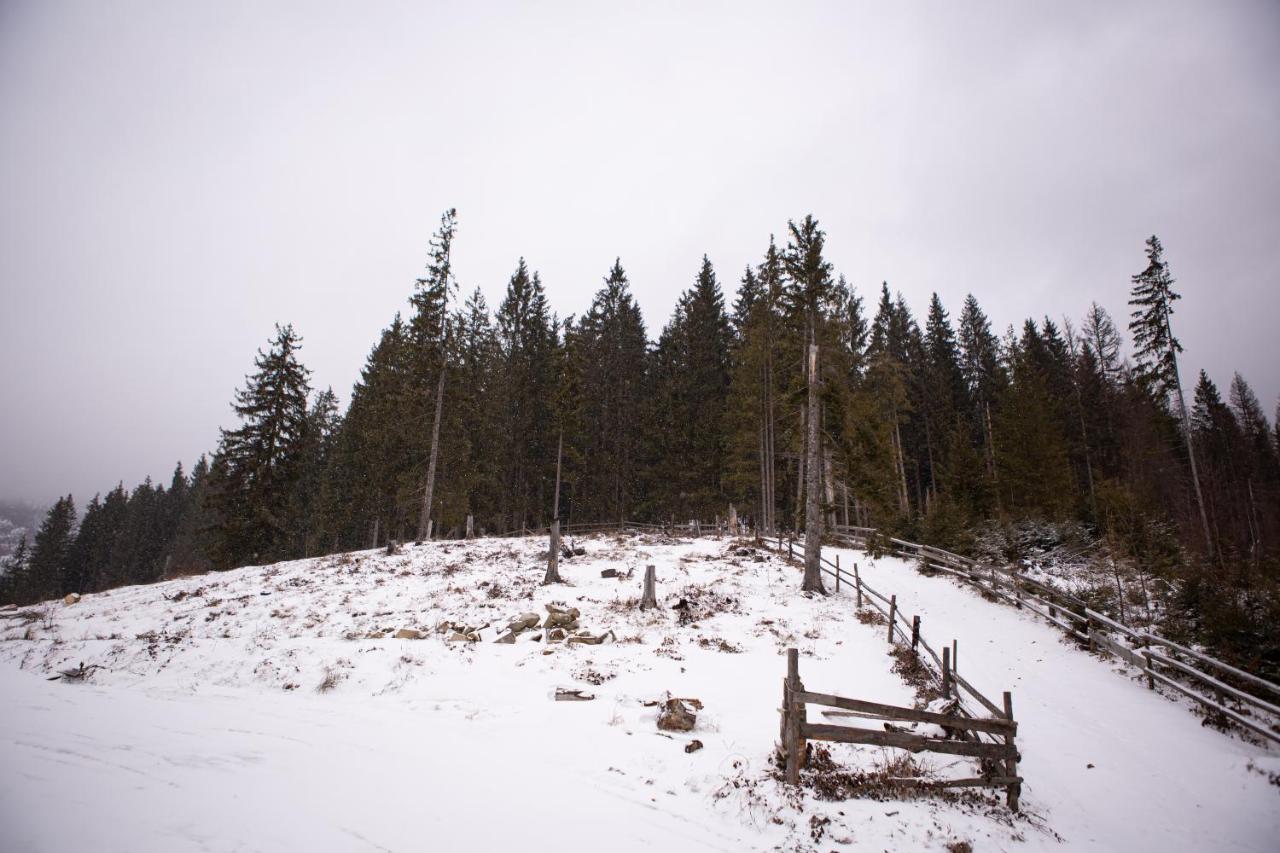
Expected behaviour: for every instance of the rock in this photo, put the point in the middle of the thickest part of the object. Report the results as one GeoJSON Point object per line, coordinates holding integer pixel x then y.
{"type": "Point", "coordinates": [462, 637]}
{"type": "Point", "coordinates": [72, 598]}
{"type": "Point", "coordinates": [555, 635]}
{"type": "Point", "coordinates": [375, 635]}
{"type": "Point", "coordinates": [588, 640]}
{"type": "Point", "coordinates": [563, 695]}
{"type": "Point", "coordinates": [693, 746]}
{"type": "Point", "coordinates": [524, 622]}
{"type": "Point", "coordinates": [408, 634]}
{"type": "Point", "coordinates": [675, 717]}
{"type": "Point", "coordinates": [560, 618]}
{"type": "Point", "coordinates": [609, 573]}
{"type": "Point", "coordinates": [509, 637]}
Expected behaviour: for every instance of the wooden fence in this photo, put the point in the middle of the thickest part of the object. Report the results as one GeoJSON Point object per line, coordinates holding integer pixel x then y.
{"type": "Point", "coordinates": [999, 754]}
{"type": "Point", "coordinates": [1161, 660]}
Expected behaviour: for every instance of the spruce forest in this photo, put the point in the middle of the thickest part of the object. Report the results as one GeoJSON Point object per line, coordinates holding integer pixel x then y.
{"type": "Point", "coordinates": [933, 426]}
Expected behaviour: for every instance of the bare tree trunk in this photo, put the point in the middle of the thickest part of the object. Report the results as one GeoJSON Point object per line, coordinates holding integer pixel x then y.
{"type": "Point", "coordinates": [991, 458]}
{"type": "Point", "coordinates": [829, 488]}
{"type": "Point", "coordinates": [424, 519]}
{"type": "Point", "coordinates": [553, 558]}
{"type": "Point", "coordinates": [813, 509]}
{"type": "Point", "coordinates": [802, 461]}
{"type": "Point", "coordinates": [377, 521]}
{"type": "Point", "coordinates": [904, 501]}
{"type": "Point", "coordinates": [1186, 432]}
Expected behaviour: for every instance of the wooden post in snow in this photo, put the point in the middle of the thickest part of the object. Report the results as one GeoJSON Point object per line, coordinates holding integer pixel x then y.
{"type": "Point", "coordinates": [915, 632]}
{"type": "Point", "coordinates": [857, 584]}
{"type": "Point", "coordinates": [893, 614]}
{"type": "Point", "coordinates": [792, 716]}
{"type": "Point", "coordinates": [650, 598]}
{"type": "Point", "coordinates": [553, 556]}
{"type": "Point", "coordinates": [1011, 763]}
{"type": "Point", "coordinates": [946, 672]}
{"type": "Point", "coordinates": [471, 526]}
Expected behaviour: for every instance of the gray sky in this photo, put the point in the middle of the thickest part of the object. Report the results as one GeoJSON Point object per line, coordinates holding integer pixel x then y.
{"type": "Point", "coordinates": [176, 177]}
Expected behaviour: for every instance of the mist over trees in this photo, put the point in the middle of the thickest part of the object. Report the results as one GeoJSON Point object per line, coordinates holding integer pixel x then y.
{"type": "Point", "coordinates": [926, 428]}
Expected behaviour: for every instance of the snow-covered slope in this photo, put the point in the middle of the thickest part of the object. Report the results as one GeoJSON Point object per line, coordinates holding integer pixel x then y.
{"type": "Point", "coordinates": [260, 709]}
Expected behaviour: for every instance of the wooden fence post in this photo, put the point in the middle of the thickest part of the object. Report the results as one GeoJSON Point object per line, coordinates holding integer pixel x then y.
{"type": "Point", "coordinates": [1011, 763]}
{"type": "Point", "coordinates": [955, 655]}
{"type": "Point", "coordinates": [1151, 682]}
{"type": "Point", "coordinates": [915, 632]}
{"type": "Point", "coordinates": [792, 745]}
{"type": "Point", "coordinates": [857, 584]}
{"type": "Point", "coordinates": [893, 612]}
{"type": "Point", "coordinates": [650, 598]}
{"type": "Point", "coordinates": [946, 672]}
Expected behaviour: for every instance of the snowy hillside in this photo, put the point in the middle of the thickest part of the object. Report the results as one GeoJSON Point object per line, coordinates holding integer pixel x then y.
{"type": "Point", "coordinates": [275, 708]}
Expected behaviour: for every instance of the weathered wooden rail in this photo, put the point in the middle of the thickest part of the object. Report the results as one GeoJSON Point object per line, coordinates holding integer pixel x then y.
{"type": "Point", "coordinates": [1000, 753]}
{"type": "Point", "coordinates": [1161, 660]}
{"type": "Point", "coordinates": [946, 662]}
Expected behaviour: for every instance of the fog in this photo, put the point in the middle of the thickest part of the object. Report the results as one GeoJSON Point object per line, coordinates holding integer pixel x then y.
{"type": "Point", "coordinates": [178, 177]}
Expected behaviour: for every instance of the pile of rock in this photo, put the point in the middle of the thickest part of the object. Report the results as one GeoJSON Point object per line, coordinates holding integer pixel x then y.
{"type": "Point", "coordinates": [561, 625]}
{"type": "Point", "coordinates": [461, 632]}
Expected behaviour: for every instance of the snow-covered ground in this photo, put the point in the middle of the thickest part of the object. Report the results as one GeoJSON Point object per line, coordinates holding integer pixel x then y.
{"type": "Point", "coordinates": [260, 710]}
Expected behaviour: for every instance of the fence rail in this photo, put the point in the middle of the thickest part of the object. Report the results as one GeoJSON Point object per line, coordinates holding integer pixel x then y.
{"type": "Point", "coordinates": [1132, 645]}
{"type": "Point", "coordinates": [999, 754]}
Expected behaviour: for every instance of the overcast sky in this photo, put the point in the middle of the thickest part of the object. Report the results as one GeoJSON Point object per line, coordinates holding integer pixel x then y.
{"type": "Point", "coordinates": [176, 177]}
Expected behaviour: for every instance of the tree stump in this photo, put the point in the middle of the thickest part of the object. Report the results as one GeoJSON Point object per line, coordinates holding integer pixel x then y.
{"type": "Point", "coordinates": [650, 598]}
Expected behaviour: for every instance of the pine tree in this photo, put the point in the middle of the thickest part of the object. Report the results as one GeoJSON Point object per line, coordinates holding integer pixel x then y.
{"type": "Point", "coordinates": [46, 567]}
{"type": "Point", "coordinates": [810, 296]}
{"type": "Point", "coordinates": [1156, 352]}
{"type": "Point", "coordinates": [258, 463]}
{"type": "Point", "coordinates": [609, 348]}
{"type": "Point", "coordinates": [13, 573]}
{"type": "Point", "coordinates": [430, 341]}
{"type": "Point", "coordinates": [526, 352]}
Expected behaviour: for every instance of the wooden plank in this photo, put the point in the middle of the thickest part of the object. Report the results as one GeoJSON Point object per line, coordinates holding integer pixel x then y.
{"type": "Point", "coordinates": [1252, 725]}
{"type": "Point", "coordinates": [1227, 668]}
{"type": "Point", "coordinates": [894, 712]}
{"type": "Point", "coordinates": [972, 782]}
{"type": "Point", "coordinates": [983, 700]}
{"type": "Point", "coordinates": [901, 740]}
{"type": "Point", "coordinates": [1128, 655]}
{"type": "Point", "coordinates": [1113, 624]}
{"type": "Point", "coordinates": [1214, 683]}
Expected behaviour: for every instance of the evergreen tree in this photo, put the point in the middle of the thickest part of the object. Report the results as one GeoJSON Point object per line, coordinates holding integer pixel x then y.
{"type": "Point", "coordinates": [690, 384]}
{"type": "Point", "coordinates": [13, 573]}
{"type": "Point", "coordinates": [1156, 351]}
{"type": "Point", "coordinates": [526, 351]}
{"type": "Point", "coordinates": [46, 567]}
{"type": "Point", "coordinates": [610, 349]}
{"type": "Point", "coordinates": [258, 464]}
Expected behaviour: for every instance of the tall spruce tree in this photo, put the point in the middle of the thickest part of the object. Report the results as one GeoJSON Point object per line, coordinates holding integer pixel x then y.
{"type": "Point", "coordinates": [46, 567]}
{"type": "Point", "coordinates": [258, 463]}
{"type": "Point", "coordinates": [1156, 353]}
{"type": "Point", "coordinates": [810, 297]}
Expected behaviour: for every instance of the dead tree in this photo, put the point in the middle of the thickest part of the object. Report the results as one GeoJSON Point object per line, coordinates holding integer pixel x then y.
{"type": "Point", "coordinates": [424, 519]}
{"type": "Point", "coordinates": [553, 557]}
{"type": "Point", "coordinates": [813, 508]}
